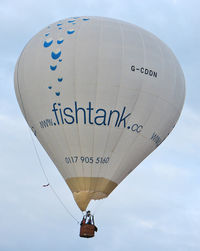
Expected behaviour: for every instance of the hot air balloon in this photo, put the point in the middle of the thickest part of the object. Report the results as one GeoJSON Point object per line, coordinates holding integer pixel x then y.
{"type": "Point", "coordinates": [100, 95]}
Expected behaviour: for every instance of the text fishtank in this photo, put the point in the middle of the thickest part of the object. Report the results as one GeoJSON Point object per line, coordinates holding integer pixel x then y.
{"type": "Point", "coordinates": [89, 115]}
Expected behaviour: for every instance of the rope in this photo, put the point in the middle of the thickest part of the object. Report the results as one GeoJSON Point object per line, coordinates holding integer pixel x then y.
{"type": "Point", "coordinates": [47, 180]}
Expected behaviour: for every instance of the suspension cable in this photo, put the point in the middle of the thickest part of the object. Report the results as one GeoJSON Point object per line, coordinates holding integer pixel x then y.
{"type": "Point", "coordinates": [47, 180]}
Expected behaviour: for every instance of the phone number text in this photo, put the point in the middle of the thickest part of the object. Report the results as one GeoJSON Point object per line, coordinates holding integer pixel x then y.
{"type": "Point", "coordinates": [86, 159]}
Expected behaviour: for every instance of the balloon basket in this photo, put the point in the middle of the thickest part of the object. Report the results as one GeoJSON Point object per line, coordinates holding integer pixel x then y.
{"type": "Point", "coordinates": [87, 231]}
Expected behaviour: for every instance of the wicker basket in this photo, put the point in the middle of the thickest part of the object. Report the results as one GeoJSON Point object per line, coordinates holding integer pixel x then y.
{"type": "Point", "coordinates": [87, 231]}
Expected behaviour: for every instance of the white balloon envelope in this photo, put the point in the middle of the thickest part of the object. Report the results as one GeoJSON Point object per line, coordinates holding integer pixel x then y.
{"type": "Point", "coordinates": [100, 95]}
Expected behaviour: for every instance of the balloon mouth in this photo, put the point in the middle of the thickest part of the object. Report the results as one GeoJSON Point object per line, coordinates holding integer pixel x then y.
{"type": "Point", "coordinates": [83, 198]}
{"type": "Point", "coordinates": [85, 189]}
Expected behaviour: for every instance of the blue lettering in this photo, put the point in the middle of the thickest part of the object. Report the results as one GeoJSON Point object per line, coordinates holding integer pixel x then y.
{"type": "Point", "coordinates": [55, 112]}
{"type": "Point", "coordinates": [123, 119]}
{"type": "Point", "coordinates": [102, 117]}
{"type": "Point", "coordinates": [90, 109]}
{"type": "Point", "coordinates": [89, 115]}
{"type": "Point", "coordinates": [61, 114]}
{"type": "Point", "coordinates": [118, 114]}
{"type": "Point", "coordinates": [156, 139]}
{"type": "Point", "coordinates": [76, 113]}
{"type": "Point", "coordinates": [68, 115]}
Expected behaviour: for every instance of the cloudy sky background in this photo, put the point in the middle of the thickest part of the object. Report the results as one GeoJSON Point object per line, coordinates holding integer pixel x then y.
{"type": "Point", "coordinates": [157, 207]}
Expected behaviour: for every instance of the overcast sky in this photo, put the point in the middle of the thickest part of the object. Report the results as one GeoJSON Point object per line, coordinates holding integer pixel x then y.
{"type": "Point", "coordinates": [156, 208]}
